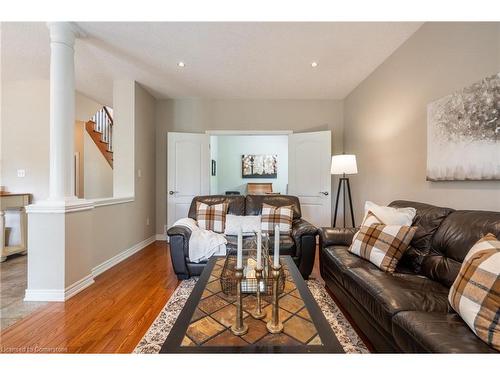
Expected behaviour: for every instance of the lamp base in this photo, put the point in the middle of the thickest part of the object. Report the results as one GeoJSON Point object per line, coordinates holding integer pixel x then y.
{"type": "Point", "coordinates": [343, 182]}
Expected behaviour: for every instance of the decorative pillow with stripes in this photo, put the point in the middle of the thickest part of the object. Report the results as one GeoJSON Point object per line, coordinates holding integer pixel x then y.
{"type": "Point", "coordinates": [475, 294]}
{"type": "Point", "coordinates": [211, 217]}
{"type": "Point", "coordinates": [272, 216]}
{"type": "Point", "coordinates": [383, 245]}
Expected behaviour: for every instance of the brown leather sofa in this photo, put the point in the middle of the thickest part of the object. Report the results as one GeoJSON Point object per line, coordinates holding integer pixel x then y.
{"type": "Point", "coordinates": [300, 244]}
{"type": "Point", "coordinates": [408, 311]}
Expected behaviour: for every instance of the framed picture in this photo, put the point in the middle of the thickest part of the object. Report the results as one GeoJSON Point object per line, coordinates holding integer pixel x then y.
{"type": "Point", "coordinates": [259, 166]}
{"type": "Point", "coordinates": [214, 168]}
{"type": "Point", "coordinates": [463, 133]}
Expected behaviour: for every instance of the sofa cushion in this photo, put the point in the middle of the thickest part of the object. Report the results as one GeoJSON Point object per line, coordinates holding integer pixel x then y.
{"type": "Point", "coordinates": [337, 259]}
{"type": "Point", "coordinates": [383, 294]}
{"type": "Point", "coordinates": [427, 220]}
{"type": "Point", "coordinates": [287, 245]}
{"type": "Point", "coordinates": [236, 203]}
{"type": "Point", "coordinates": [453, 240]}
{"type": "Point", "coordinates": [435, 332]}
{"type": "Point", "coordinates": [253, 203]}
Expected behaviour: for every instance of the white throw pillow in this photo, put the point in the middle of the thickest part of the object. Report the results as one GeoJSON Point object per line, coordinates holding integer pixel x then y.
{"type": "Point", "coordinates": [391, 215]}
{"type": "Point", "coordinates": [249, 225]}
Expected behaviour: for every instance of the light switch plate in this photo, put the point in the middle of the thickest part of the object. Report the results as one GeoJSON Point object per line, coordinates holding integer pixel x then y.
{"type": "Point", "coordinates": [21, 172]}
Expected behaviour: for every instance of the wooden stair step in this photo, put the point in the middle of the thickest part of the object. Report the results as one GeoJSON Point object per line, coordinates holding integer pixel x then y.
{"type": "Point", "coordinates": [101, 145]}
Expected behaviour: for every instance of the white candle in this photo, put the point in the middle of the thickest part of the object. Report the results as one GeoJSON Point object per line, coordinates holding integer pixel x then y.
{"type": "Point", "coordinates": [259, 249]}
{"type": "Point", "coordinates": [239, 254]}
{"type": "Point", "coordinates": [276, 246]}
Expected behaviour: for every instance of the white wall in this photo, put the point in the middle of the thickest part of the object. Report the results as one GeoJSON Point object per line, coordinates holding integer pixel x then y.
{"type": "Point", "coordinates": [199, 115]}
{"type": "Point", "coordinates": [98, 174]}
{"type": "Point", "coordinates": [231, 148]}
{"type": "Point", "coordinates": [385, 116]}
{"type": "Point", "coordinates": [25, 137]}
{"type": "Point", "coordinates": [25, 134]}
{"type": "Point", "coordinates": [124, 137]}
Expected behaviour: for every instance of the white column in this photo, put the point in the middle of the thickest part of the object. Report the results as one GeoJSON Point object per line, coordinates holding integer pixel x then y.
{"type": "Point", "coordinates": [58, 246]}
{"type": "Point", "coordinates": [62, 110]}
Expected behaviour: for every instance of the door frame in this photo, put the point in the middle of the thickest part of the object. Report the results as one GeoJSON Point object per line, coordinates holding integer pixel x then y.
{"type": "Point", "coordinates": [248, 132]}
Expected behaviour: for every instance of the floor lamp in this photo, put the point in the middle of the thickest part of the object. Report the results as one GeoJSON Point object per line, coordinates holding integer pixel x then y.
{"type": "Point", "coordinates": [344, 165]}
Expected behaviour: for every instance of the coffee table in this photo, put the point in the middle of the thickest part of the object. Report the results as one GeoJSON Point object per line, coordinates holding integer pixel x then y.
{"type": "Point", "coordinates": [203, 325]}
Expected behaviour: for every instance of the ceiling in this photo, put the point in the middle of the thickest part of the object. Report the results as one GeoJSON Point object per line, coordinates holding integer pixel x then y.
{"type": "Point", "coordinates": [223, 59]}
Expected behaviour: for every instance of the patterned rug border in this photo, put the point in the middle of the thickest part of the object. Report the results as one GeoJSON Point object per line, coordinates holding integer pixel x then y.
{"type": "Point", "coordinates": [156, 335]}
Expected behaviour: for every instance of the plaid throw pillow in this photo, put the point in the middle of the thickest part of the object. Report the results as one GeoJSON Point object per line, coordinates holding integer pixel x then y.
{"type": "Point", "coordinates": [272, 216]}
{"type": "Point", "coordinates": [382, 245]}
{"type": "Point", "coordinates": [475, 294]}
{"type": "Point", "coordinates": [211, 217]}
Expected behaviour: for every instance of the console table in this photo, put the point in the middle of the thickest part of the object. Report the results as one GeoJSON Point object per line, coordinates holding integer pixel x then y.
{"type": "Point", "coordinates": [13, 202]}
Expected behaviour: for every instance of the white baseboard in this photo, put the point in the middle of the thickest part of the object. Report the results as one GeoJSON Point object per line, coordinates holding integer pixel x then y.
{"type": "Point", "coordinates": [60, 295]}
{"type": "Point", "coordinates": [49, 295]}
{"type": "Point", "coordinates": [122, 256]}
{"type": "Point", "coordinates": [77, 287]}
{"type": "Point", "coordinates": [161, 237]}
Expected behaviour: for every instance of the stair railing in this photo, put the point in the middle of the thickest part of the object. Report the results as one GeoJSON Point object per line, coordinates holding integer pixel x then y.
{"type": "Point", "coordinates": [103, 123]}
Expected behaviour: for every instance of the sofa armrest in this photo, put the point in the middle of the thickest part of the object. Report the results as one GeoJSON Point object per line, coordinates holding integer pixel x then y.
{"type": "Point", "coordinates": [179, 230]}
{"type": "Point", "coordinates": [304, 236]}
{"type": "Point", "coordinates": [301, 228]}
{"type": "Point", "coordinates": [336, 236]}
{"type": "Point", "coordinates": [179, 249]}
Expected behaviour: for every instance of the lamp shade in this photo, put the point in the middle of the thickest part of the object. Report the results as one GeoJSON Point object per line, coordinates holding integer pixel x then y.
{"type": "Point", "coordinates": [344, 164]}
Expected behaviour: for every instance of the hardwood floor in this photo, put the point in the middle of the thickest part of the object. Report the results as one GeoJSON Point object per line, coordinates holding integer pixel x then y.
{"type": "Point", "coordinates": [110, 316]}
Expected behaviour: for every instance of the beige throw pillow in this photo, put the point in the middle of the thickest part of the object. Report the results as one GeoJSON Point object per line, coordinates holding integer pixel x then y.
{"type": "Point", "coordinates": [475, 294]}
{"type": "Point", "coordinates": [272, 216]}
{"type": "Point", "coordinates": [383, 245]}
{"type": "Point", "coordinates": [211, 217]}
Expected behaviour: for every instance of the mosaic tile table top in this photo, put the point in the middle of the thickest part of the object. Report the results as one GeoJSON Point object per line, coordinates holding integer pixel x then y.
{"type": "Point", "coordinates": [203, 325]}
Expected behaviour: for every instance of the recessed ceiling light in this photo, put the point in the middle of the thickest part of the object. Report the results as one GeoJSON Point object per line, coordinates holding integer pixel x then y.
{"type": "Point", "coordinates": [314, 64]}
{"type": "Point", "coordinates": [181, 64]}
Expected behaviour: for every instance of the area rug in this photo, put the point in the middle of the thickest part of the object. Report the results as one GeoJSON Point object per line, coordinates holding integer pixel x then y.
{"type": "Point", "coordinates": [159, 330]}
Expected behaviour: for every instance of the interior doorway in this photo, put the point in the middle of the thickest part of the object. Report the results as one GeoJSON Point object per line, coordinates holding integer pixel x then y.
{"type": "Point", "coordinates": [224, 162]}
{"type": "Point", "coordinates": [241, 163]}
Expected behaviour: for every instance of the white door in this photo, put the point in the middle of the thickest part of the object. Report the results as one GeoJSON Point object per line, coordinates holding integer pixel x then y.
{"type": "Point", "coordinates": [309, 177]}
{"type": "Point", "coordinates": [188, 172]}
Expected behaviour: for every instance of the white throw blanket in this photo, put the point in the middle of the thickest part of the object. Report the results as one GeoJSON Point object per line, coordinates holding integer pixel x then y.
{"type": "Point", "coordinates": [202, 243]}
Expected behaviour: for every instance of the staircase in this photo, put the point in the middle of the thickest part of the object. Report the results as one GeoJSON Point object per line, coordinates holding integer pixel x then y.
{"type": "Point", "coordinates": [100, 129]}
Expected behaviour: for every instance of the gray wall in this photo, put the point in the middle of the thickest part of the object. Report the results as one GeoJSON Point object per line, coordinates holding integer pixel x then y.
{"type": "Point", "coordinates": [385, 116]}
{"type": "Point", "coordinates": [199, 115]}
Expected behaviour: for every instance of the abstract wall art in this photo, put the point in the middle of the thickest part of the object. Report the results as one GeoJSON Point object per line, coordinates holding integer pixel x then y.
{"type": "Point", "coordinates": [259, 166]}
{"type": "Point", "coordinates": [463, 133]}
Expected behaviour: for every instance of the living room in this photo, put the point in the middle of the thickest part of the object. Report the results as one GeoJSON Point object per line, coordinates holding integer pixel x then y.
{"type": "Point", "coordinates": [182, 186]}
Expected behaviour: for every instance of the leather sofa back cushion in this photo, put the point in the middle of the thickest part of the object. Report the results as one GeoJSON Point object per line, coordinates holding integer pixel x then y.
{"type": "Point", "coordinates": [236, 203]}
{"type": "Point", "coordinates": [428, 219]}
{"type": "Point", "coordinates": [254, 203]}
{"type": "Point", "coordinates": [453, 240]}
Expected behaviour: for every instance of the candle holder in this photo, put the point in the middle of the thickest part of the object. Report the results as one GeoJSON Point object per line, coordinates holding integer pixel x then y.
{"type": "Point", "coordinates": [258, 313]}
{"type": "Point", "coordinates": [274, 325]}
{"type": "Point", "coordinates": [239, 328]}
